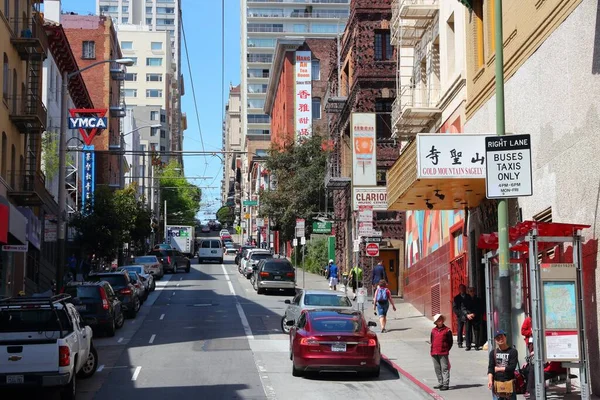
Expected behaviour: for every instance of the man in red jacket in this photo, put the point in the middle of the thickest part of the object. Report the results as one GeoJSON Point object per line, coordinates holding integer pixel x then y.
{"type": "Point", "coordinates": [441, 343]}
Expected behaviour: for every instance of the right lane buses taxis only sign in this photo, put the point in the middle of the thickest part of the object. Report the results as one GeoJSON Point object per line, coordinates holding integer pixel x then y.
{"type": "Point", "coordinates": [508, 166]}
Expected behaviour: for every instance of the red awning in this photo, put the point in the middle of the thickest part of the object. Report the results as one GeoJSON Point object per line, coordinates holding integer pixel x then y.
{"type": "Point", "coordinates": [4, 210]}
{"type": "Point", "coordinates": [489, 241]}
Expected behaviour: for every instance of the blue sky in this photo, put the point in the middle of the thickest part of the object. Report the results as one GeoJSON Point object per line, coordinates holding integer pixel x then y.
{"type": "Point", "coordinates": [202, 23]}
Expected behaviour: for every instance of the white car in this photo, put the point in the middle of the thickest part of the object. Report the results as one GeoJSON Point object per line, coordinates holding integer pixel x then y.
{"type": "Point", "coordinates": [253, 257]}
{"type": "Point", "coordinates": [230, 248]}
{"type": "Point", "coordinates": [224, 232]}
{"type": "Point", "coordinates": [211, 250]}
{"type": "Point", "coordinates": [151, 264]}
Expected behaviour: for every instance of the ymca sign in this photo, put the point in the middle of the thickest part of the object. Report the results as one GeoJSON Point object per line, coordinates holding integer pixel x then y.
{"type": "Point", "coordinates": [88, 121]}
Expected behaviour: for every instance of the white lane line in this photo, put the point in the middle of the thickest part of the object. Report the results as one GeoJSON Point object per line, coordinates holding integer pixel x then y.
{"type": "Point", "coordinates": [162, 316]}
{"type": "Point", "coordinates": [152, 338]}
{"type": "Point", "coordinates": [100, 368]}
{"type": "Point", "coordinates": [120, 340]}
{"type": "Point", "coordinates": [180, 279]}
{"type": "Point", "coordinates": [136, 373]}
{"type": "Point", "coordinates": [173, 294]}
{"type": "Point", "coordinates": [241, 312]}
{"type": "Point", "coordinates": [264, 378]}
{"type": "Point", "coordinates": [177, 285]}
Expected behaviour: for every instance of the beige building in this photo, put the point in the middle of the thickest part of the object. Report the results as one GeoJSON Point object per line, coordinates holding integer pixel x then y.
{"type": "Point", "coordinates": [232, 141]}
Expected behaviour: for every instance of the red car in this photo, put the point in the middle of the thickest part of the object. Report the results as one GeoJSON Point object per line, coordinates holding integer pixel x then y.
{"type": "Point", "coordinates": [333, 340]}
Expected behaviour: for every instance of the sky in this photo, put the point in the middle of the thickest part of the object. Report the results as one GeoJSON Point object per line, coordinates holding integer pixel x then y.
{"type": "Point", "coordinates": [202, 24]}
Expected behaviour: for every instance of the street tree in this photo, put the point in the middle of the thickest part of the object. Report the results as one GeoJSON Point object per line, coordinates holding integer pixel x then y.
{"type": "Point", "coordinates": [225, 215]}
{"type": "Point", "coordinates": [183, 198]}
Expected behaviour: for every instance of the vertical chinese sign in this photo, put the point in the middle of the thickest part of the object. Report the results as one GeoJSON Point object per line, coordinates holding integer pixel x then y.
{"type": "Point", "coordinates": [303, 114]}
{"type": "Point", "coordinates": [88, 176]}
{"type": "Point", "coordinates": [364, 150]}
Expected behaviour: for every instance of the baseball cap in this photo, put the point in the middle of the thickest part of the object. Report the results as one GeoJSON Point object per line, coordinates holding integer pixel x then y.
{"type": "Point", "coordinates": [330, 261]}
{"type": "Point", "coordinates": [437, 316]}
{"type": "Point", "coordinates": [499, 332]}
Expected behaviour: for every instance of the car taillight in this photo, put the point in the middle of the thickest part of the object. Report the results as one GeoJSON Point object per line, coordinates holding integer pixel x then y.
{"type": "Point", "coordinates": [104, 299]}
{"type": "Point", "coordinates": [169, 259]}
{"type": "Point", "coordinates": [64, 356]}
{"type": "Point", "coordinates": [290, 274]}
{"type": "Point", "coordinates": [126, 291]}
{"type": "Point", "coordinates": [62, 290]}
{"type": "Point", "coordinates": [370, 343]}
{"type": "Point", "coordinates": [309, 342]}
{"type": "Point", "coordinates": [264, 274]}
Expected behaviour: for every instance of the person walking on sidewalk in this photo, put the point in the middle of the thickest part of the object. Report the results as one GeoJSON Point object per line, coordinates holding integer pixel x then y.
{"type": "Point", "coordinates": [478, 325]}
{"type": "Point", "coordinates": [378, 274]}
{"type": "Point", "coordinates": [333, 275]}
{"type": "Point", "coordinates": [461, 307]}
{"type": "Point", "coordinates": [381, 303]}
{"type": "Point", "coordinates": [356, 277]}
{"type": "Point", "coordinates": [501, 368]}
{"type": "Point", "coordinates": [441, 343]}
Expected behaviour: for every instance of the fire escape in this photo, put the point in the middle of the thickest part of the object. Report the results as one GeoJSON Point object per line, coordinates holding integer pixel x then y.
{"type": "Point", "coordinates": [27, 111]}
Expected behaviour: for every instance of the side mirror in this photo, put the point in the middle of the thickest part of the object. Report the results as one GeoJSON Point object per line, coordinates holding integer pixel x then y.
{"type": "Point", "coordinates": [287, 302]}
{"type": "Point", "coordinates": [76, 301]}
{"type": "Point", "coordinates": [290, 323]}
{"type": "Point", "coordinates": [372, 324]}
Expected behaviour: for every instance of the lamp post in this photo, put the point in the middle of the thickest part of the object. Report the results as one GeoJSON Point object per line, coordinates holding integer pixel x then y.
{"type": "Point", "coordinates": [62, 152]}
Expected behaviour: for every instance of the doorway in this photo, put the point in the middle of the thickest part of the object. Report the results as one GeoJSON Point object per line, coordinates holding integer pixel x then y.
{"type": "Point", "coordinates": [390, 260]}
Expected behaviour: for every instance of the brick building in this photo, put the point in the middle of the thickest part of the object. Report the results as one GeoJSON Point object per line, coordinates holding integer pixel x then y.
{"type": "Point", "coordinates": [366, 83]}
{"type": "Point", "coordinates": [280, 101]}
{"type": "Point", "coordinates": [93, 38]}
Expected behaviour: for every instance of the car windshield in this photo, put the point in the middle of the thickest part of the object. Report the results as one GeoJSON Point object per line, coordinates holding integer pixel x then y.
{"type": "Point", "coordinates": [277, 267]}
{"type": "Point", "coordinates": [146, 259]}
{"type": "Point", "coordinates": [133, 277]}
{"type": "Point", "coordinates": [114, 280]}
{"type": "Point", "coordinates": [40, 320]}
{"type": "Point", "coordinates": [83, 292]}
{"type": "Point", "coordinates": [133, 268]}
{"type": "Point", "coordinates": [336, 324]}
{"type": "Point", "coordinates": [261, 256]}
{"type": "Point", "coordinates": [326, 300]}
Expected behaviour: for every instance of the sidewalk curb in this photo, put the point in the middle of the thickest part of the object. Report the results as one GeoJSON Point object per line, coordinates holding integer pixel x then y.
{"type": "Point", "coordinates": [414, 382]}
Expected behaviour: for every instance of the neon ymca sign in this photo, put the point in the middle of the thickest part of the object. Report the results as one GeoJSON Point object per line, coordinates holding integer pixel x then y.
{"type": "Point", "coordinates": [88, 122]}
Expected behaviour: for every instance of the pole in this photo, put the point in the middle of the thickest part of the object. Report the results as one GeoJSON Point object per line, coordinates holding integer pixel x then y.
{"type": "Point", "coordinates": [62, 195]}
{"type": "Point", "coordinates": [504, 308]}
{"type": "Point", "coordinates": [303, 266]}
{"type": "Point", "coordinates": [296, 259]}
{"type": "Point", "coordinates": [165, 222]}
{"type": "Point", "coordinates": [584, 369]}
{"type": "Point", "coordinates": [536, 316]}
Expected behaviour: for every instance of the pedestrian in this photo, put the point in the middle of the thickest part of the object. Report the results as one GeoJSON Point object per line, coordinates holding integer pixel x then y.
{"type": "Point", "coordinates": [501, 368]}
{"type": "Point", "coordinates": [461, 306]}
{"type": "Point", "coordinates": [72, 263]}
{"type": "Point", "coordinates": [441, 342]}
{"type": "Point", "coordinates": [478, 328]}
{"type": "Point", "coordinates": [334, 275]}
{"type": "Point", "coordinates": [378, 274]}
{"type": "Point", "coordinates": [356, 277]}
{"type": "Point", "coordinates": [381, 303]}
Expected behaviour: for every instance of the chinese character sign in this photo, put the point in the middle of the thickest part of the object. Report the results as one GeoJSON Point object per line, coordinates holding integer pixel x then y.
{"type": "Point", "coordinates": [451, 155]}
{"type": "Point", "coordinates": [88, 174]}
{"type": "Point", "coordinates": [364, 160]}
{"type": "Point", "coordinates": [303, 112]}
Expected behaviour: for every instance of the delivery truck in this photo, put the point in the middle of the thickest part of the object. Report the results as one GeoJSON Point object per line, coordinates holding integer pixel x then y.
{"type": "Point", "coordinates": [181, 238]}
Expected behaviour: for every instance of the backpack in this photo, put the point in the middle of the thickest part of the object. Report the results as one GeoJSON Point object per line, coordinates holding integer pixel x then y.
{"type": "Point", "coordinates": [382, 296]}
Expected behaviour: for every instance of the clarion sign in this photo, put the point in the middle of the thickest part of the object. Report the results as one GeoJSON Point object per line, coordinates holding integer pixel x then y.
{"type": "Point", "coordinates": [375, 196]}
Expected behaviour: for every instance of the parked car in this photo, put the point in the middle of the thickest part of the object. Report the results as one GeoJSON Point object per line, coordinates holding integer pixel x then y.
{"type": "Point", "coordinates": [254, 256]}
{"type": "Point", "coordinates": [136, 281]}
{"type": "Point", "coordinates": [151, 265]}
{"type": "Point", "coordinates": [230, 248]}
{"type": "Point", "coordinates": [311, 300]}
{"type": "Point", "coordinates": [44, 343]}
{"type": "Point", "coordinates": [210, 250]}
{"type": "Point", "coordinates": [123, 287]}
{"type": "Point", "coordinates": [147, 279]}
{"type": "Point", "coordinates": [172, 260]}
{"type": "Point", "coordinates": [98, 305]}
{"type": "Point", "coordinates": [162, 246]}
{"type": "Point", "coordinates": [273, 274]}
{"type": "Point", "coordinates": [205, 229]}
{"type": "Point", "coordinates": [334, 340]}
{"type": "Point", "coordinates": [223, 232]}
{"type": "Point", "coordinates": [240, 253]}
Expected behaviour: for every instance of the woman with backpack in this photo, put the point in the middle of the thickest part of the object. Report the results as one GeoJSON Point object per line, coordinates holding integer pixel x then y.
{"type": "Point", "coordinates": [381, 303]}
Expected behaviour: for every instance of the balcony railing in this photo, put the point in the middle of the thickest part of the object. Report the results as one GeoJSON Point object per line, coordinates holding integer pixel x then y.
{"type": "Point", "coordinates": [315, 14]}
{"type": "Point", "coordinates": [425, 97]}
{"type": "Point", "coordinates": [336, 176]}
{"type": "Point", "coordinates": [303, 2]}
{"type": "Point", "coordinates": [28, 112]}
{"type": "Point", "coordinates": [29, 189]}
{"type": "Point", "coordinates": [28, 36]}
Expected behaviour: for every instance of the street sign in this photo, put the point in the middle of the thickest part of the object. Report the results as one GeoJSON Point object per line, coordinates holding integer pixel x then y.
{"type": "Point", "coordinates": [250, 203]}
{"type": "Point", "coordinates": [260, 222]}
{"type": "Point", "coordinates": [373, 239]}
{"type": "Point", "coordinates": [300, 232]}
{"type": "Point", "coordinates": [295, 242]}
{"type": "Point", "coordinates": [303, 240]}
{"type": "Point", "coordinates": [508, 166]}
{"type": "Point", "coordinates": [356, 247]}
{"type": "Point", "coordinates": [372, 249]}
{"type": "Point", "coordinates": [361, 295]}
{"type": "Point", "coordinates": [17, 248]}
{"type": "Point", "coordinates": [365, 214]}
{"type": "Point", "coordinates": [300, 223]}
{"type": "Point", "coordinates": [365, 228]}
{"type": "Point", "coordinates": [247, 216]}
{"type": "Point", "coordinates": [322, 227]}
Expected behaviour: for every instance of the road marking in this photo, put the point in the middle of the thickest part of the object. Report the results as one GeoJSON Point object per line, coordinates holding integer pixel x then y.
{"type": "Point", "coordinates": [181, 279]}
{"type": "Point", "coordinates": [241, 312]}
{"type": "Point", "coordinates": [100, 368]}
{"type": "Point", "coordinates": [162, 316]}
{"type": "Point", "coordinates": [173, 294]}
{"type": "Point", "coordinates": [152, 338]}
{"type": "Point", "coordinates": [136, 373]}
{"type": "Point", "coordinates": [120, 340]}
{"type": "Point", "coordinates": [178, 285]}
{"type": "Point", "coordinates": [264, 379]}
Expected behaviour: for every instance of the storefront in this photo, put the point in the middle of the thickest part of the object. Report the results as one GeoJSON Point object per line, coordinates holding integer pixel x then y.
{"type": "Point", "coordinates": [12, 257]}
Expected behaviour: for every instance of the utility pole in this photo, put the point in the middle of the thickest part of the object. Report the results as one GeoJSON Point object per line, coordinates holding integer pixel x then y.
{"type": "Point", "coordinates": [62, 190]}
{"type": "Point", "coordinates": [165, 222]}
{"type": "Point", "coordinates": [504, 308]}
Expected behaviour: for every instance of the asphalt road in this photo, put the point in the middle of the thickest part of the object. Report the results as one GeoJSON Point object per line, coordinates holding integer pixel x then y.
{"type": "Point", "coordinates": [208, 335]}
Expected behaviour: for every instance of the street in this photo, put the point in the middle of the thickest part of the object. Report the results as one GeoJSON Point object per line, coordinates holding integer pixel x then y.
{"type": "Point", "coordinates": [208, 333]}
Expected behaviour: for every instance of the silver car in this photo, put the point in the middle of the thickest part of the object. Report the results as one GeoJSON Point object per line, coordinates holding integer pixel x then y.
{"type": "Point", "coordinates": [151, 265]}
{"type": "Point", "coordinates": [147, 279]}
{"type": "Point", "coordinates": [311, 300]}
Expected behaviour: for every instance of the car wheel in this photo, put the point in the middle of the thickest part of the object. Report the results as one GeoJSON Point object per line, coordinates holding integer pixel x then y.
{"type": "Point", "coordinates": [260, 290]}
{"type": "Point", "coordinates": [91, 364]}
{"type": "Point", "coordinates": [284, 326]}
{"type": "Point", "coordinates": [70, 390]}
{"type": "Point", "coordinates": [174, 270]}
{"type": "Point", "coordinates": [134, 310]}
{"type": "Point", "coordinates": [188, 268]}
{"type": "Point", "coordinates": [110, 331]}
{"type": "Point", "coordinates": [120, 320]}
{"type": "Point", "coordinates": [221, 261]}
{"type": "Point", "coordinates": [153, 288]}
{"type": "Point", "coordinates": [295, 371]}
{"type": "Point", "coordinates": [375, 372]}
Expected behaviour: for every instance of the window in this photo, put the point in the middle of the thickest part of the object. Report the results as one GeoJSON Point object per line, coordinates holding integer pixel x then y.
{"type": "Point", "coordinates": [258, 132]}
{"type": "Point", "coordinates": [316, 70]}
{"type": "Point", "coordinates": [165, 21]}
{"type": "Point", "coordinates": [153, 61]}
{"type": "Point", "coordinates": [258, 119]}
{"type": "Point", "coordinates": [131, 77]}
{"type": "Point", "coordinates": [457, 243]}
{"type": "Point", "coordinates": [163, 149]}
{"type": "Point", "coordinates": [265, 27]}
{"type": "Point", "coordinates": [316, 108]}
{"type": "Point", "coordinates": [153, 93]}
{"type": "Point", "coordinates": [257, 88]}
{"type": "Point", "coordinates": [478, 36]}
{"type": "Point", "coordinates": [324, 28]}
{"type": "Point", "coordinates": [383, 47]}
{"type": "Point", "coordinates": [109, 9]}
{"type": "Point", "coordinates": [163, 134]}
{"type": "Point", "coordinates": [88, 50]}
{"type": "Point", "coordinates": [163, 118]}
{"type": "Point", "coordinates": [260, 58]}
{"type": "Point", "coordinates": [129, 92]}
{"type": "Point", "coordinates": [134, 59]}
{"type": "Point", "coordinates": [260, 42]}
{"type": "Point", "coordinates": [165, 10]}
{"type": "Point", "coordinates": [5, 78]}
{"type": "Point", "coordinates": [126, 45]}
{"type": "Point", "coordinates": [125, 9]}
{"type": "Point", "coordinates": [300, 28]}
{"type": "Point", "coordinates": [148, 21]}
{"type": "Point", "coordinates": [154, 131]}
{"type": "Point", "coordinates": [156, 46]}
{"type": "Point", "coordinates": [258, 73]}
{"type": "Point", "coordinates": [125, 20]}
{"type": "Point", "coordinates": [154, 77]}
{"type": "Point", "coordinates": [154, 115]}
{"type": "Point", "coordinates": [256, 103]}
{"type": "Point", "coordinates": [383, 121]}
{"type": "Point", "coordinates": [149, 10]}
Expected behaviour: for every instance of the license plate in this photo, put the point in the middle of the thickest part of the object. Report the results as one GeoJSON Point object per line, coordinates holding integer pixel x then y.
{"type": "Point", "coordinates": [277, 278]}
{"type": "Point", "coordinates": [80, 308]}
{"type": "Point", "coordinates": [338, 347]}
{"type": "Point", "coordinates": [213, 252]}
{"type": "Point", "coordinates": [14, 379]}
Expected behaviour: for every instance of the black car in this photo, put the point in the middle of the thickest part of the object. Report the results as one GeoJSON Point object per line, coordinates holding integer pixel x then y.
{"type": "Point", "coordinates": [123, 287]}
{"type": "Point", "coordinates": [98, 305]}
{"type": "Point", "coordinates": [240, 253]}
{"type": "Point", "coordinates": [273, 274]}
{"type": "Point", "coordinates": [171, 260]}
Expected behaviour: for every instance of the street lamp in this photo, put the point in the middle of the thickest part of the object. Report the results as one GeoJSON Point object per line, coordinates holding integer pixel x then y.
{"type": "Point", "coordinates": [142, 127]}
{"type": "Point", "coordinates": [62, 152]}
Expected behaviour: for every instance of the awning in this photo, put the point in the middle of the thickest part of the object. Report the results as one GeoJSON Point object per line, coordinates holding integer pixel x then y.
{"type": "Point", "coordinates": [17, 225]}
{"type": "Point", "coordinates": [4, 212]}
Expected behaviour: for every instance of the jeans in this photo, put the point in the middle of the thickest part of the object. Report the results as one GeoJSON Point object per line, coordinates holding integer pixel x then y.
{"type": "Point", "coordinates": [511, 397]}
{"type": "Point", "coordinates": [441, 365]}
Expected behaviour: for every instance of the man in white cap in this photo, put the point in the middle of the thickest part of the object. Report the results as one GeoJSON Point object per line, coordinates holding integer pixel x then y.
{"type": "Point", "coordinates": [333, 275]}
{"type": "Point", "coordinates": [441, 343]}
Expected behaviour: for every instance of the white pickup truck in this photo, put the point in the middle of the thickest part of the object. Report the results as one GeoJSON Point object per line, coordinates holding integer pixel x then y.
{"type": "Point", "coordinates": [44, 343]}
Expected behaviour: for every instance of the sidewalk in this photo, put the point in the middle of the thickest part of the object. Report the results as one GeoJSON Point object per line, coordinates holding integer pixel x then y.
{"type": "Point", "coordinates": [405, 348]}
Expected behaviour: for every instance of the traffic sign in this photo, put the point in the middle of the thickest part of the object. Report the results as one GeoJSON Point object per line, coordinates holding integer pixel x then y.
{"type": "Point", "coordinates": [300, 223]}
{"type": "Point", "coordinates": [295, 242]}
{"type": "Point", "coordinates": [321, 227]}
{"type": "Point", "coordinates": [373, 239]}
{"type": "Point", "coordinates": [372, 249]}
{"type": "Point", "coordinates": [300, 232]}
{"type": "Point", "coordinates": [250, 203]}
{"type": "Point", "coordinates": [508, 166]}
{"type": "Point", "coordinates": [356, 247]}
{"type": "Point", "coordinates": [303, 240]}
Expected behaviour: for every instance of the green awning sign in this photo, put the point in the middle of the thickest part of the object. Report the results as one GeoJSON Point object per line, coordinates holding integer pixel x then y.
{"type": "Point", "coordinates": [322, 227]}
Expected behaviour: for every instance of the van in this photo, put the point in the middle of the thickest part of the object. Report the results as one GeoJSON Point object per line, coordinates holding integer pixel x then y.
{"type": "Point", "coordinates": [210, 249]}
